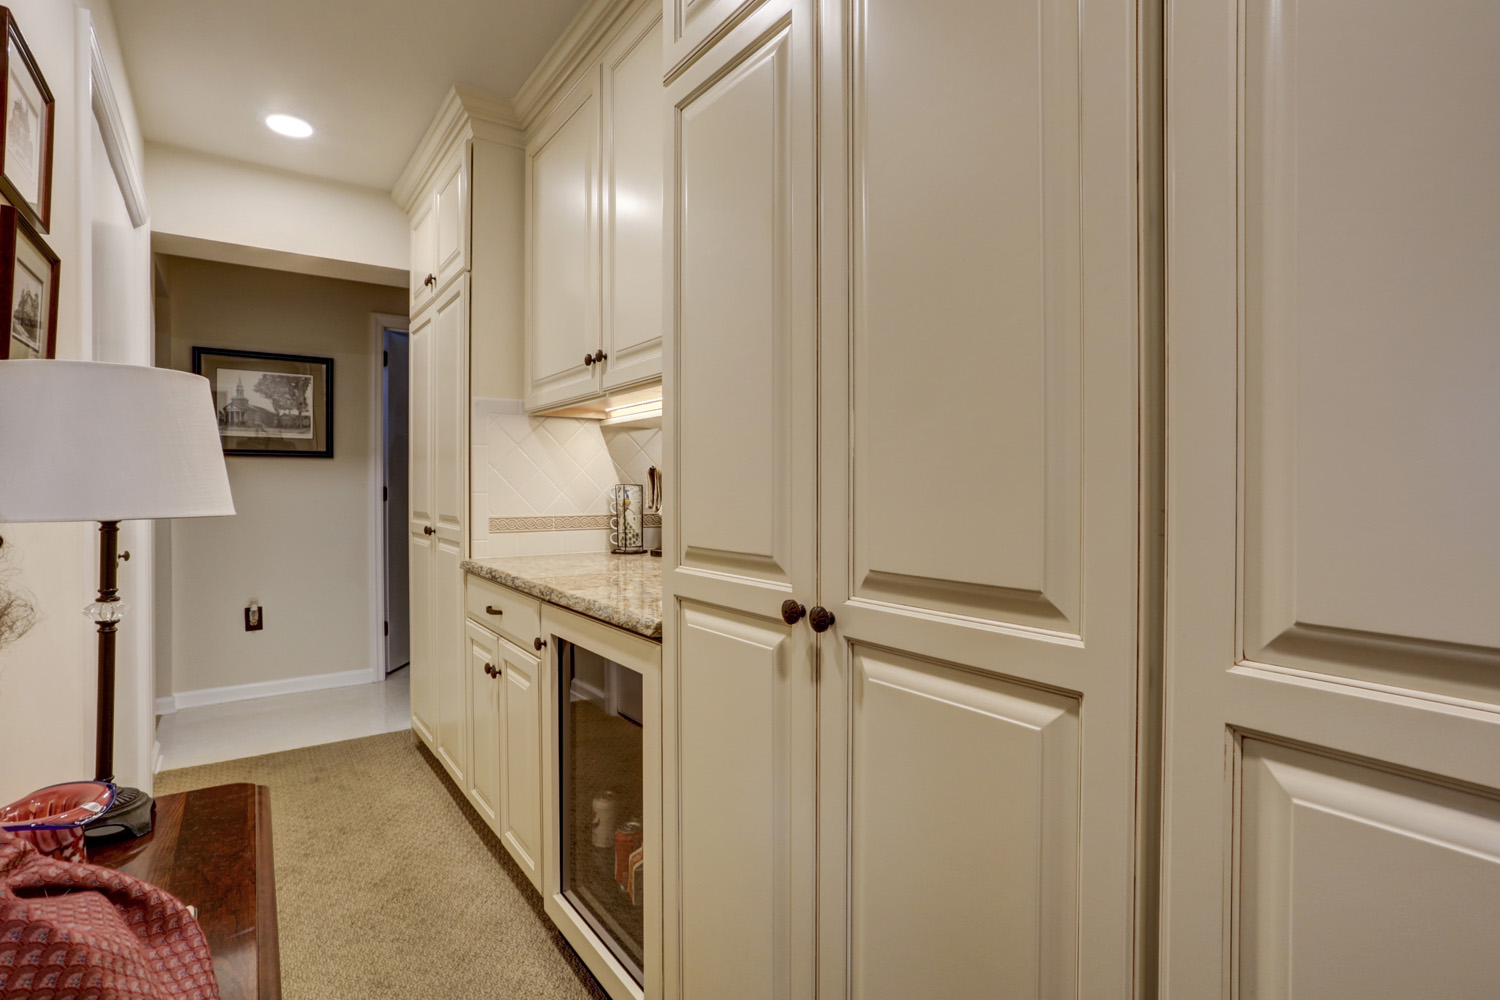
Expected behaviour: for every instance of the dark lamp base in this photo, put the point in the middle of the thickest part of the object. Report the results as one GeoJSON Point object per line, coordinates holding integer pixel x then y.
{"type": "Point", "coordinates": [132, 815]}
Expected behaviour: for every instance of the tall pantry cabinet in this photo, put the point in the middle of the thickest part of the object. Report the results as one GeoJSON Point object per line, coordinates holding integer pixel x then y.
{"type": "Point", "coordinates": [462, 191]}
{"type": "Point", "coordinates": [903, 381]}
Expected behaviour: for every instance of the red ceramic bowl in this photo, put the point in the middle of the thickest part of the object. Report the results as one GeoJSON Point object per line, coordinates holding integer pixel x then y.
{"type": "Point", "coordinates": [53, 818]}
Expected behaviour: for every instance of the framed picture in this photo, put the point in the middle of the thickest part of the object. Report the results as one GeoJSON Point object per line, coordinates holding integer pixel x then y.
{"type": "Point", "coordinates": [28, 289]}
{"type": "Point", "coordinates": [270, 404]}
{"type": "Point", "coordinates": [26, 153]}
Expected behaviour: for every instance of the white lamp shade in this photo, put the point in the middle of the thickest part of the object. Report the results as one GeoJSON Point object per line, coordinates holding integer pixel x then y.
{"type": "Point", "coordinates": [89, 441]}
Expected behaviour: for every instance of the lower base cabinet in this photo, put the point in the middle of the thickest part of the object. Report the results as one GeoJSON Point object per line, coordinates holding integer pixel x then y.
{"type": "Point", "coordinates": [549, 695]}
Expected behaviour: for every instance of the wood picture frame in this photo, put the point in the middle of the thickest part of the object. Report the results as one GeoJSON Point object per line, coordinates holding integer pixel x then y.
{"type": "Point", "coordinates": [28, 289]}
{"type": "Point", "coordinates": [270, 404]}
{"type": "Point", "coordinates": [27, 123]}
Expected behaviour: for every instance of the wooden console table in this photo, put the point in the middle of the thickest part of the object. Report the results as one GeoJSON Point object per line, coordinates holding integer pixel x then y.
{"type": "Point", "coordinates": [211, 848]}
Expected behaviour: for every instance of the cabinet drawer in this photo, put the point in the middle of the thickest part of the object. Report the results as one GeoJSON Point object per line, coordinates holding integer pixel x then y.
{"type": "Point", "coordinates": [520, 617]}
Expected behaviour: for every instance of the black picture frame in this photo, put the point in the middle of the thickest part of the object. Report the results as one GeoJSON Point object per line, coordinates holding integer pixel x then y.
{"type": "Point", "coordinates": [29, 273]}
{"type": "Point", "coordinates": [27, 123]}
{"type": "Point", "coordinates": [266, 417]}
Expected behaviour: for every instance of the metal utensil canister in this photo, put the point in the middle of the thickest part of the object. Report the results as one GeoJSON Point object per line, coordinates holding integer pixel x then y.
{"type": "Point", "coordinates": [626, 508]}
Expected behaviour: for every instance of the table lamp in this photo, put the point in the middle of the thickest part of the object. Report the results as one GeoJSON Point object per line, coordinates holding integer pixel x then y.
{"type": "Point", "coordinates": [89, 441]}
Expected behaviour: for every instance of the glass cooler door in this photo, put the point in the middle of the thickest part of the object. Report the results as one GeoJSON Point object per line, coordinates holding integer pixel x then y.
{"type": "Point", "coordinates": [600, 730]}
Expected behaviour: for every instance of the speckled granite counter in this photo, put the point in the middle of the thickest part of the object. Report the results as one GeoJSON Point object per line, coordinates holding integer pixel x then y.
{"type": "Point", "coordinates": [621, 590]}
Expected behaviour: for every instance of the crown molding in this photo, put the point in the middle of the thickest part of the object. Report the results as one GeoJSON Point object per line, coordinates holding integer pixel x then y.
{"type": "Point", "coordinates": [465, 113]}
{"type": "Point", "coordinates": [577, 47]}
{"type": "Point", "coordinates": [122, 159]}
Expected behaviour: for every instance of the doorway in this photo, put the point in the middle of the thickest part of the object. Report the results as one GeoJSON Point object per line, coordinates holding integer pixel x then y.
{"type": "Point", "coordinates": [395, 390]}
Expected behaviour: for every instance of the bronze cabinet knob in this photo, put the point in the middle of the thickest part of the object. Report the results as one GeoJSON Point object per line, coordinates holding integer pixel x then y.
{"type": "Point", "coordinates": [427, 529]}
{"type": "Point", "coordinates": [791, 611]}
{"type": "Point", "coordinates": [539, 642]}
{"type": "Point", "coordinates": [588, 359]}
{"type": "Point", "coordinates": [599, 356]}
{"type": "Point", "coordinates": [820, 618]}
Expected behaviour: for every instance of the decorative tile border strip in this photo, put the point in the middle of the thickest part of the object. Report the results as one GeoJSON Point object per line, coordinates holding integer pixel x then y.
{"type": "Point", "coordinates": [565, 522]}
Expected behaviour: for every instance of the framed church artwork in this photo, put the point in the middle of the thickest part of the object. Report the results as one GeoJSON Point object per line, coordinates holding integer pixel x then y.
{"type": "Point", "coordinates": [28, 290]}
{"type": "Point", "coordinates": [270, 404]}
{"type": "Point", "coordinates": [26, 127]}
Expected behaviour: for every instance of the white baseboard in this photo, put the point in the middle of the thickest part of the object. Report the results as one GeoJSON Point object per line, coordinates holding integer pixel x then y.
{"type": "Point", "coordinates": [166, 705]}
{"type": "Point", "coordinates": [156, 758]}
{"type": "Point", "coordinates": [264, 689]}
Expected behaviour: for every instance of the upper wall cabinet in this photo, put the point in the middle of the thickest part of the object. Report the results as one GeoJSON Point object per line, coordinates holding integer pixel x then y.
{"type": "Point", "coordinates": [594, 226]}
{"type": "Point", "coordinates": [634, 138]}
{"type": "Point", "coordinates": [440, 231]}
{"type": "Point", "coordinates": [562, 251]}
{"type": "Point", "coordinates": [694, 25]}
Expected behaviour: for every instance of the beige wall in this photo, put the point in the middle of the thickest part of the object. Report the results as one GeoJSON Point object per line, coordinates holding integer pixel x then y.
{"type": "Point", "coordinates": [294, 222]}
{"type": "Point", "coordinates": [47, 679]}
{"type": "Point", "coordinates": [300, 543]}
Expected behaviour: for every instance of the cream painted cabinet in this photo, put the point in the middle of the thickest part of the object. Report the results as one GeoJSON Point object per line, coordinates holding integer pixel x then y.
{"type": "Point", "coordinates": [594, 226]}
{"type": "Point", "coordinates": [631, 209]}
{"type": "Point", "coordinates": [440, 231]}
{"type": "Point", "coordinates": [486, 721]}
{"type": "Point", "coordinates": [562, 259]}
{"type": "Point", "coordinates": [902, 646]}
{"type": "Point", "coordinates": [1332, 813]}
{"type": "Point", "coordinates": [439, 518]}
{"type": "Point", "coordinates": [739, 682]}
{"type": "Point", "coordinates": [520, 708]}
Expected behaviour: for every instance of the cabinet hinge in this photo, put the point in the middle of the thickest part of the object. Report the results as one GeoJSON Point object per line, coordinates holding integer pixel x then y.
{"type": "Point", "coordinates": [387, 628]}
{"type": "Point", "coordinates": [385, 360]}
{"type": "Point", "coordinates": [385, 493]}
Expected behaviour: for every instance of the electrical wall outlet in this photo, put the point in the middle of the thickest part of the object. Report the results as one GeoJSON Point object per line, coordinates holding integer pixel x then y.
{"type": "Point", "coordinates": [254, 621]}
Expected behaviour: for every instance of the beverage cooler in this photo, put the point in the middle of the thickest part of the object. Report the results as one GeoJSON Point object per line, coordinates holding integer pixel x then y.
{"type": "Point", "coordinates": [604, 872]}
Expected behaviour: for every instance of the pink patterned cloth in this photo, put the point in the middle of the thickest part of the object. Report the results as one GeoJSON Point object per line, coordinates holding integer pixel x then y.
{"type": "Point", "coordinates": [81, 932]}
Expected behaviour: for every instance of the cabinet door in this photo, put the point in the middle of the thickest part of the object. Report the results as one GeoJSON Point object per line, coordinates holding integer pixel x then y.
{"type": "Point", "coordinates": [691, 26]}
{"type": "Point", "coordinates": [450, 412]}
{"type": "Point", "coordinates": [634, 156]}
{"type": "Point", "coordinates": [562, 250]}
{"type": "Point", "coordinates": [1332, 813]}
{"type": "Point", "coordinates": [449, 409]}
{"type": "Point", "coordinates": [451, 234]}
{"type": "Point", "coordinates": [739, 689]}
{"type": "Point", "coordinates": [486, 721]}
{"type": "Point", "coordinates": [979, 514]}
{"type": "Point", "coordinates": [521, 759]}
{"type": "Point", "coordinates": [424, 694]}
{"type": "Point", "coordinates": [423, 254]}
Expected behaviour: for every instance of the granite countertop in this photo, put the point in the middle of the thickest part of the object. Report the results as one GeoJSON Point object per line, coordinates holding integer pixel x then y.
{"type": "Point", "coordinates": [620, 590]}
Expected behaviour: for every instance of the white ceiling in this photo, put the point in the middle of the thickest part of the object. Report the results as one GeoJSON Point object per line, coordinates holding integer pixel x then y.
{"type": "Point", "coordinates": [368, 74]}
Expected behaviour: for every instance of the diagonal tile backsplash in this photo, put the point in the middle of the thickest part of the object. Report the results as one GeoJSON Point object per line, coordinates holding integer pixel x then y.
{"type": "Point", "coordinates": [551, 468]}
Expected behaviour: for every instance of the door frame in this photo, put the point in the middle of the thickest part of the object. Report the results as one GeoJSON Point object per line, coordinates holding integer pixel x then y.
{"type": "Point", "coordinates": [379, 323]}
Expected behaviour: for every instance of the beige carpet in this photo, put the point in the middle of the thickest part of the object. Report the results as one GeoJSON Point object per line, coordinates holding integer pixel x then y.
{"type": "Point", "coordinates": [388, 885]}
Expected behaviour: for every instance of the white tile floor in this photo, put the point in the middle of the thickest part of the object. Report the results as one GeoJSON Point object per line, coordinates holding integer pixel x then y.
{"type": "Point", "coordinates": [213, 733]}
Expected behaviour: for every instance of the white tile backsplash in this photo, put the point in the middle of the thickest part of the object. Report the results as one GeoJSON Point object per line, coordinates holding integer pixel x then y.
{"type": "Point", "coordinates": [549, 466]}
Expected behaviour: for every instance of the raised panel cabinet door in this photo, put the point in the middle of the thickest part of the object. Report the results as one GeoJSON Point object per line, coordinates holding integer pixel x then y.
{"type": "Point", "coordinates": [449, 661]}
{"type": "Point", "coordinates": [423, 253]}
{"type": "Point", "coordinates": [1332, 738]}
{"type": "Point", "coordinates": [562, 250]}
{"type": "Point", "coordinates": [691, 27]}
{"type": "Point", "coordinates": [424, 697]}
{"type": "Point", "coordinates": [739, 688]}
{"type": "Point", "coordinates": [634, 156]}
{"type": "Point", "coordinates": [424, 693]}
{"type": "Point", "coordinates": [486, 721]}
{"type": "Point", "coordinates": [451, 237]}
{"type": "Point", "coordinates": [450, 413]}
{"type": "Point", "coordinates": [521, 758]}
{"type": "Point", "coordinates": [979, 514]}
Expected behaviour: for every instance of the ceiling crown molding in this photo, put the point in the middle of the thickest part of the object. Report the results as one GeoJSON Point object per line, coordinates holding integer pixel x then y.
{"type": "Point", "coordinates": [574, 50]}
{"type": "Point", "coordinates": [465, 113]}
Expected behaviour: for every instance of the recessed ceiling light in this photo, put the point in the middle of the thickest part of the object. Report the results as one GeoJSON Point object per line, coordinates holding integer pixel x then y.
{"type": "Point", "coordinates": [289, 126]}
